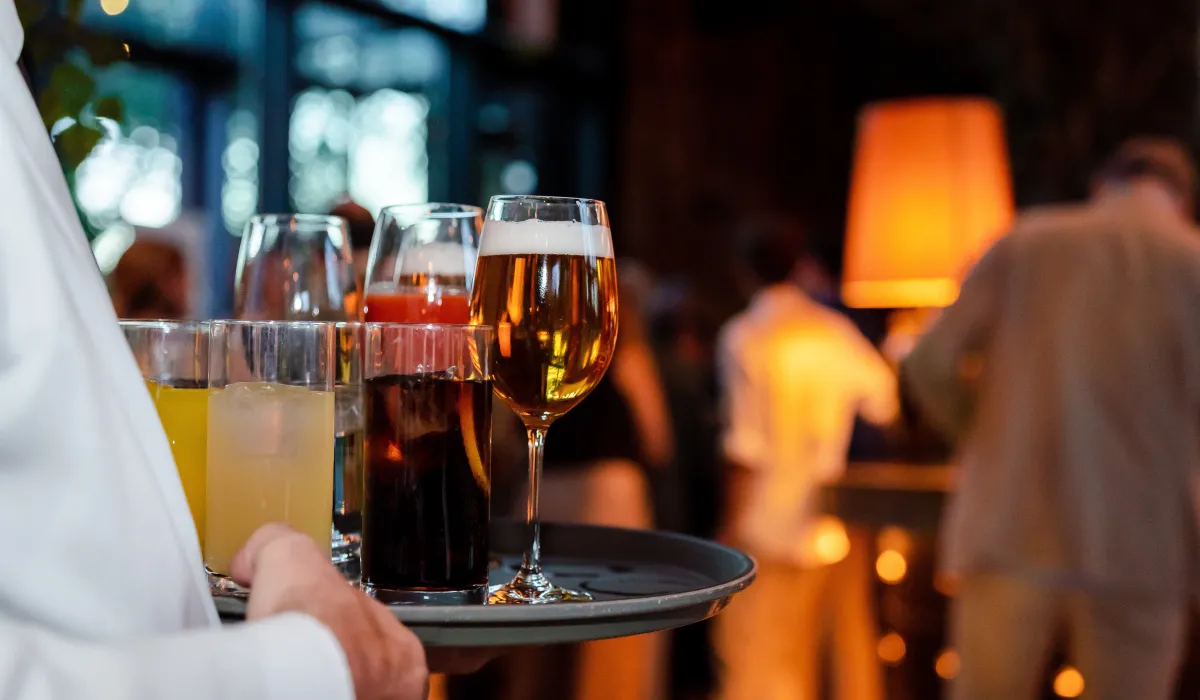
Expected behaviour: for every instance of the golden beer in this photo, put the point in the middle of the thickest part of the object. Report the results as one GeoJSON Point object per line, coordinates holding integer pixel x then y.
{"type": "Point", "coordinates": [555, 315]}
{"type": "Point", "coordinates": [546, 282]}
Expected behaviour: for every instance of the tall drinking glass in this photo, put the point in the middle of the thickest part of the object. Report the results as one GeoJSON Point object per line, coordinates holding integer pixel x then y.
{"type": "Point", "coordinates": [421, 263]}
{"type": "Point", "coordinates": [173, 358]}
{"type": "Point", "coordinates": [428, 467]}
{"type": "Point", "coordinates": [296, 267]}
{"type": "Point", "coordinates": [300, 267]}
{"type": "Point", "coordinates": [348, 447]}
{"type": "Point", "coordinates": [270, 435]}
{"type": "Point", "coordinates": [546, 282]}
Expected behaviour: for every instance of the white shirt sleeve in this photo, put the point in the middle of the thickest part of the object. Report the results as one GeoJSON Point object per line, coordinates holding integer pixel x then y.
{"type": "Point", "coordinates": [742, 439]}
{"type": "Point", "coordinates": [77, 633]}
{"type": "Point", "coordinates": [878, 393]}
{"type": "Point", "coordinates": [287, 657]}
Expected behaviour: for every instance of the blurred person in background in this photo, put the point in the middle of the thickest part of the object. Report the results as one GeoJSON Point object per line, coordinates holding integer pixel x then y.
{"type": "Point", "coordinates": [635, 369]}
{"type": "Point", "coordinates": [596, 473]}
{"type": "Point", "coordinates": [150, 281]}
{"type": "Point", "coordinates": [683, 332]}
{"type": "Point", "coordinates": [813, 273]}
{"type": "Point", "coordinates": [794, 374]}
{"type": "Point", "coordinates": [1068, 373]}
{"type": "Point", "coordinates": [362, 229]}
{"type": "Point", "coordinates": [591, 475]}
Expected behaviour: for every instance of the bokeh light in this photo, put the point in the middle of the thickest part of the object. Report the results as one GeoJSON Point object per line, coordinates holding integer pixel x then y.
{"type": "Point", "coordinates": [891, 649]}
{"type": "Point", "coordinates": [892, 537]}
{"type": "Point", "coordinates": [947, 664]}
{"type": "Point", "coordinates": [110, 244]}
{"type": "Point", "coordinates": [239, 192]}
{"type": "Point", "coordinates": [830, 544]}
{"type": "Point", "coordinates": [113, 7]}
{"type": "Point", "coordinates": [136, 178]}
{"type": "Point", "coordinates": [373, 148]}
{"type": "Point", "coordinates": [460, 15]}
{"type": "Point", "coordinates": [891, 566]}
{"type": "Point", "coordinates": [519, 177]}
{"type": "Point", "coordinates": [1068, 683]}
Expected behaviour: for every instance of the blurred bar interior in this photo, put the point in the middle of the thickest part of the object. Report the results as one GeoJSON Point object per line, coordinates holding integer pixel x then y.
{"type": "Point", "coordinates": [900, 137]}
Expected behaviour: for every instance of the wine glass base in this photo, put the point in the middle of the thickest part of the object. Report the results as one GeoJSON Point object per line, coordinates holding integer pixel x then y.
{"type": "Point", "coordinates": [345, 549]}
{"type": "Point", "coordinates": [224, 586]}
{"type": "Point", "coordinates": [533, 590]}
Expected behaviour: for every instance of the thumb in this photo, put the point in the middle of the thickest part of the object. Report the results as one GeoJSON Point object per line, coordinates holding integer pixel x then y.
{"type": "Point", "coordinates": [245, 562]}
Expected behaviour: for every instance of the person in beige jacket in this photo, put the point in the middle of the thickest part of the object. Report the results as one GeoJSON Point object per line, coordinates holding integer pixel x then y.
{"type": "Point", "coordinates": [1068, 373]}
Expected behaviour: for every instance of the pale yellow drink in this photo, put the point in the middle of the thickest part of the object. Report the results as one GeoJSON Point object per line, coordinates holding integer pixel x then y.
{"type": "Point", "coordinates": [184, 416]}
{"type": "Point", "coordinates": [270, 459]}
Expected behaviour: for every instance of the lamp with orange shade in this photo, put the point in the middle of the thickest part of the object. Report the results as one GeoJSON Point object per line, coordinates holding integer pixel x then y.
{"type": "Point", "coordinates": [930, 192]}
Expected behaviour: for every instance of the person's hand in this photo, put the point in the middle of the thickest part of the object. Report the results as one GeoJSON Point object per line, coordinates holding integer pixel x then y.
{"type": "Point", "coordinates": [286, 572]}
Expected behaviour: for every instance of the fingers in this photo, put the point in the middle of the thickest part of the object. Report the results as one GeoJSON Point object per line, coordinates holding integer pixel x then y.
{"type": "Point", "coordinates": [288, 572]}
{"type": "Point", "coordinates": [246, 560]}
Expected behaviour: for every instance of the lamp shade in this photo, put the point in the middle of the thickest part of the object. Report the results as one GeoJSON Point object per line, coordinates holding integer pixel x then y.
{"type": "Point", "coordinates": [930, 192]}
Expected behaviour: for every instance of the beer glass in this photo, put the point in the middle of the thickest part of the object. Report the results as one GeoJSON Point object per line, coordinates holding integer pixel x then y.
{"type": "Point", "coordinates": [421, 263]}
{"type": "Point", "coordinates": [296, 267]}
{"type": "Point", "coordinates": [546, 282]}
{"type": "Point", "coordinates": [270, 435]}
{"type": "Point", "coordinates": [348, 448]}
{"type": "Point", "coordinates": [173, 358]}
{"type": "Point", "coordinates": [428, 415]}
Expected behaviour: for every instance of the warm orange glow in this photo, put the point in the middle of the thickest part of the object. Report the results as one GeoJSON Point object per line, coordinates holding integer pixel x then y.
{"type": "Point", "coordinates": [891, 649]}
{"type": "Point", "coordinates": [830, 543]}
{"type": "Point", "coordinates": [891, 566]}
{"type": "Point", "coordinates": [946, 584]}
{"type": "Point", "coordinates": [931, 191]}
{"type": "Point", "coordinates": [892, 537]}
{"type": "Point", "coordinates": [1068, 683]}
{"type": "Point", "coordinates": [947, 664]}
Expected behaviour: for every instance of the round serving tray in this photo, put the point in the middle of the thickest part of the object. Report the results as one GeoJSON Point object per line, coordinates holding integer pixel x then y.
{"type": "Point", "coordinates": [642, 581]}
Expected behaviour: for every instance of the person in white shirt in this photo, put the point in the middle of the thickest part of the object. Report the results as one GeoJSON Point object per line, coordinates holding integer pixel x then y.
{"type": "Point", "coordinates": [794, 375]}
{"type": "Point", "coordinates": [1068, 373]}
{"type": "Point", "coordinates": [102, 591]}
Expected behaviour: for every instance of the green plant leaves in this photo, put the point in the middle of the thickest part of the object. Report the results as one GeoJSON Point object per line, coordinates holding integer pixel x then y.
{"type": "Point", "coordinates": [75, 143]}
{"type": "Point", "coordinates": [56, 39]}
{"type": "Point", "coordinates": [30, 11]}
{"type": "Point", "coordinates": [110, 107]}
{"type": "Point", "coordinates": [69, 91]}
{"type": "Point", "coordinates": [74, 10]}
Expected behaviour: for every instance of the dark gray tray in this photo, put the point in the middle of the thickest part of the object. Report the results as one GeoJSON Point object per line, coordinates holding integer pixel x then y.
{"type": "Point", "coordinates": [642, 582]}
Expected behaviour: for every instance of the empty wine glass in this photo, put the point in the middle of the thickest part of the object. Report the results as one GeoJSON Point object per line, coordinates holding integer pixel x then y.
{"type": "Point", "coordinates": [296, 267]}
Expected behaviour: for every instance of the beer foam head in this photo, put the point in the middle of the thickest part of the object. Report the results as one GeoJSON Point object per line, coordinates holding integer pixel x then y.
{"type": "Point", "coordinates": [438, 259]}
{"type": "Point", "coordinates": [545, 238]}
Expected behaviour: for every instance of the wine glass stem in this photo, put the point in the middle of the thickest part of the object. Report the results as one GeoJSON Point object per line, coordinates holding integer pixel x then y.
{"type": "Point", "coordinates": [532, 564]}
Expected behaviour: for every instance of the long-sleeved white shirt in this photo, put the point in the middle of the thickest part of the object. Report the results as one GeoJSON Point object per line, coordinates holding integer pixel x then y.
{"type": "Point", "coordinates": [1069, 372]}
{"type": "Point", "coordinates": [102, 593]}
{"type": "Point", "coordinates": [794, 374]}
